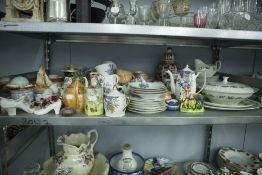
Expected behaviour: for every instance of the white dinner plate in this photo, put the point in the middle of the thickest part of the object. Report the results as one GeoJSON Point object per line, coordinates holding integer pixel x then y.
{"type": "Point", "coordinates": [240, 105]}
{"type": "Point", "coordinates": [254, 105]}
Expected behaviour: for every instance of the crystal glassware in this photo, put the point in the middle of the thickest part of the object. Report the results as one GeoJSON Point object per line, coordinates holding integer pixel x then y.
{"type": "Point", "coordinates": [181, 7]}
{"type": "Point", "coordinates": [163, 9]}
{"type": "Point", "coordinates": [116, 13]}
{"type": "Point", "coordinates": [200, 17]}
{"type": "Point", "coordinates": [144, 14]}
{"type": "Point", "coordinates": [132, 12]}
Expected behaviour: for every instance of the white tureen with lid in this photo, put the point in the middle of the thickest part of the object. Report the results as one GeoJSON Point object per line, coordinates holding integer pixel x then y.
{"type": "Point", "coordinates": [226, 92]}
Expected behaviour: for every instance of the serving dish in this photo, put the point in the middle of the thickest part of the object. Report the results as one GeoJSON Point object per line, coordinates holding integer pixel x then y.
{"type": "Point", "coordinates": [227, 92]}
{"type": "Point", "coordinates": [199, 168]}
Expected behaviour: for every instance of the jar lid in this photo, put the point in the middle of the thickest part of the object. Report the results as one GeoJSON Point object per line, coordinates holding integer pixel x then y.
{"type": "Point", "coordinates": [229, 87]}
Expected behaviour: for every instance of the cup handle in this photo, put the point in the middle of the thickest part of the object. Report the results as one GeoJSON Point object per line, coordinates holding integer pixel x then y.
{"type": "Point", "coordinates": [117, 79]}
{"type": "Point", "coordinates": [86, 82]}
{"type": "Point", "coordinates": [89, 134]}
{"type": "Point", "coordinates": [218, 65]}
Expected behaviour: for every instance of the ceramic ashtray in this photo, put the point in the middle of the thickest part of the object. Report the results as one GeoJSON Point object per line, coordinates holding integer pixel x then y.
{"type": "Point", "coordinates": [172, 105]}
{"type": "Point", "coordinates": [67, 112]}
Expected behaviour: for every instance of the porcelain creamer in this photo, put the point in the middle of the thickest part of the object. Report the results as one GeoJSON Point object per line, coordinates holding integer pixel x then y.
{"type": "Point", "coordinates": [77, 157]}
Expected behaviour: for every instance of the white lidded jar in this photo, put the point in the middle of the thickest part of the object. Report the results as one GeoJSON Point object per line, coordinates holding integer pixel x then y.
{"type": "Point", "coordinates": [127, 162]}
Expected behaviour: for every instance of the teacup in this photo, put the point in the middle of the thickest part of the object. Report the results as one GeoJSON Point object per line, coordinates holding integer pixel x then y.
{"type": "Point", "coordinates": [105, 68]}
{"type": "Point", "coordinates": [109, 82]}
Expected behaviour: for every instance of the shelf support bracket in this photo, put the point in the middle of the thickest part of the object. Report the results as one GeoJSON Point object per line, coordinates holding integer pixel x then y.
{"type": "Point", "coordinates": [208, 143]}
{"type": "Point", "coordinates": [215, 52]}
{"type": "Point", "coordinates": [3, 155]}
{"type": "Point", "coordinates": [51, 141]}
{"type": "Point", "coordinates": [47, 47]}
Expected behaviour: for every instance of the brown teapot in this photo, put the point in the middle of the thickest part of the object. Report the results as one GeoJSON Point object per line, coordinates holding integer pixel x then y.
{"type": "Point", "coordinates": [73, 97]}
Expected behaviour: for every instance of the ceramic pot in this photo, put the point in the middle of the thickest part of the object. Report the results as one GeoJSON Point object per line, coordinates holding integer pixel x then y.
{"type": "Point", "coordinates": [124, 76]}
{"type": "Point", "coordinates": [27, 93]}
{"type": "Point", "coordinates": [115, 104]}
{"type": "Point", "coordinates": [77, 157]}
{"type": "Point", "coordinates": [73, 96]}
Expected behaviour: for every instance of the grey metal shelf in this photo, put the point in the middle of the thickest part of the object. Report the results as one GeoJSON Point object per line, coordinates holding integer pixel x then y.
{"type": "Point", "coordinates": [164, 118]}
{"type": "Point", "coordinates": [135, 34]}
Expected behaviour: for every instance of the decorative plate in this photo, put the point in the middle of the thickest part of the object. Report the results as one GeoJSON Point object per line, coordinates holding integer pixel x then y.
{"type": "Point", "coordinates": [239, 159]}
{"type": "Point", "coordinates": [199, 168]}
{"type": "Point", "coordinates": [242, 104]}
{"type": "Point", "coordinates": [254, 105]}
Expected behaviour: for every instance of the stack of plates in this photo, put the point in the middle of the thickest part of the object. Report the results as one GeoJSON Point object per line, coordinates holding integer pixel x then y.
{"type": "Point", "coordinates": [147, 97]}
{"type": "Point", "coordinates": [237, 160]}
{"type": "Point", "coordinates": [244, 105]}
{"type": "Point", "coordinates": [146, 106]}
{"type": "Point", "coordinates": [199, 168]}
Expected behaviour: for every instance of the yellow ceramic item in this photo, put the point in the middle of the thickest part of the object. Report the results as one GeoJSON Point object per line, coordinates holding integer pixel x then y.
{"type": "Point", "coordinates": [74, 96]}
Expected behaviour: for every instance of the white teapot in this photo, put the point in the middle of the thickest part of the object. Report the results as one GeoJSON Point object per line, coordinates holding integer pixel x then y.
{"type": "Point", "coordinates": [77, 157]}
{"type": "Point", "coordinates": [210, 70]}
{"type": "Point", "coordinates": [115, 104]}
{"type": "Point", "coordinates": [185, 84]}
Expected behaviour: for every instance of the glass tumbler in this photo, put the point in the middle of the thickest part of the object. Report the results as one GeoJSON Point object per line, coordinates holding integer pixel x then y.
{"type": "Point", "coordinates": [144, 13]}
{"type": "Point", "coordinates": [200, 18]}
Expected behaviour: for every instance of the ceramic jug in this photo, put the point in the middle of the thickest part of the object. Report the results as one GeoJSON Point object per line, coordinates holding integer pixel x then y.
{"type": "Point", "coordinates": [108, 82]}
{"type": "Point", "coordinates": [209, 69]}
{"type": "Point", "coordinates": [73, 96]}
{"type": "Point", "coordinates": [115, 104]}
{"type": "Point", "coordinates": [77, 157]}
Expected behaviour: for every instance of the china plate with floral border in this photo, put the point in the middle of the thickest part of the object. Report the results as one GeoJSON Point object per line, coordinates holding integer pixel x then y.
{"type": "Point", "coordinates": [242, 104]}
{"type": "Point", "coordinates": [188, 165]}
{"type": "Point", "coordinates": [239, 159]}
{"type": "Point", "coordinates": [254, 105]}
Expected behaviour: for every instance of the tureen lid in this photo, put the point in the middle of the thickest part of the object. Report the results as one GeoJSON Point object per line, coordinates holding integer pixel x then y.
{"type": "Point", "coordinates": [229, 87]}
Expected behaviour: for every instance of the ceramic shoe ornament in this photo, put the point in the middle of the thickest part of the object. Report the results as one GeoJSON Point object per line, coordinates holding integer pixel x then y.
{"type": "Point", "coordinates": [115, 104]}
{"type": "Point", "coordinates": [77, 157]}
{"type": "Point", "coordinates": [49, 104]}
{"type": "Point", "coordinates": [11, 105]}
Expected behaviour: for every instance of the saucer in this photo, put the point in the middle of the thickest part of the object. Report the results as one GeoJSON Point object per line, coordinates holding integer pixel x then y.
{"type": "Point", "coordinates": [251, 104]}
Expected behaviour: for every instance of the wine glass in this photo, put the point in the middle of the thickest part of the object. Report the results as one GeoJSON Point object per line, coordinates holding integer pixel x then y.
{"type": "Point", "coordinates": [163, 8]}
{"type": "Point", "coordinates": [132, 12]}
{"type": "Point", "coordinates": [200, 18]}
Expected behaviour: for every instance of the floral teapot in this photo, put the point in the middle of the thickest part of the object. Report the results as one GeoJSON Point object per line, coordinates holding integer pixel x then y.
{"type": "Point", "coordinates": [77, 157]}
{"type": "Point", "coordinates": [185, 84]}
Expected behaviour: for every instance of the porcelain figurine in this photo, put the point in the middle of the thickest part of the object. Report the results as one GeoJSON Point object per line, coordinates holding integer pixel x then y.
{"type": "Point", "coordinates": [49, 104]}
{"type": "Point", "coordinates": [185, 90]}
{"type": "Point", "coordinates": [127, 162]}
{"type": "Point", "coordinates": [115, 104]}
{"type": "Point", "coordinates": [11, 105]}
{"type": "Point", "coordinates": [210, 70]}
{"type": "Point", "coordinates": [77, 157]}
{"type": "Point", "coordinates": [73, 96]}
{"type": "Point", "coordinates": [168, 63]}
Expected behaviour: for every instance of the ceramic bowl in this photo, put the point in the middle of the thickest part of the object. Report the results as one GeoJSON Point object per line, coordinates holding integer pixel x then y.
{"type": "Point", "coordinates": [115, 158]}
{"type": "Point", "coordinates": [28, 94]}
{"type": "Point", "coordinates": [259, 171]}
{"type": "Point", "coordinates": [172, 105]}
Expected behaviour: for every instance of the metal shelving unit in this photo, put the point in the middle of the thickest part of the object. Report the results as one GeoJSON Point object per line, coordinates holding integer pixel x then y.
{"type": "Point", "coordinates": [133, 34]}
{"type": "Point", "coordinates": [210, 117]}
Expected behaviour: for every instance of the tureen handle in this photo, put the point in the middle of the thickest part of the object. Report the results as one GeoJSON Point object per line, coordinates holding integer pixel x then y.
{"type": "Point", "coordinates": [89, 134]}
{"type": "Point", "coordinates": [218, 65]}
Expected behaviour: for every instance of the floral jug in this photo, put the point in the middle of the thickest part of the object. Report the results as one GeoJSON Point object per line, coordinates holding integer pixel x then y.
{"type": "Point", "coordinates": [77, 157]}
{"type": "Point", "coordinates": [115, 104]}
{"type": "Point", "coordinates": [73, 97]}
